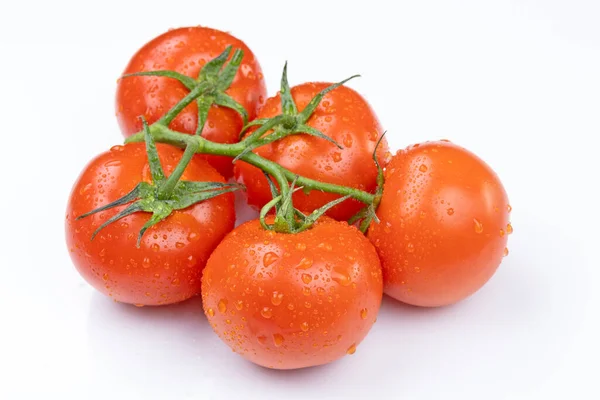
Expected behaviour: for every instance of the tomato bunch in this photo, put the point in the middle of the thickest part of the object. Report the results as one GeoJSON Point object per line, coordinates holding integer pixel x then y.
{"type": "Point", "coordinates": [342, 221]}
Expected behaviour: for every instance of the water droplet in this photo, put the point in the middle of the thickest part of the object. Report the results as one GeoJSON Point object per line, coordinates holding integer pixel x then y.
{"type": "Point", "coordinates": [290, 306]}
{"type": "Point", "coordinates": [139, 305]}
{"type": "Point", "coordinates": [478, 225]}
{"type": "Point", "coordinates": [351, 350]}
{"type": "Point", "coordinates": [239, 305]}
{"type": "Point", "coordinates": [509, 229]}
{"type": "Point", "coordinates": [337, 156]}
{"type": "Point", "coordinates": [85, 188]}
{"type": "Point", "coordinates": [146, 262]}
{"type": "Point", "coordinates": [422, 214]}
{"type": "Point", "coordinates": [278, 339]}
{"type": "Point", "coordinates": [325, 246]}
{"type": "Point", "coordinates": [505, 251]}
{"type": "Point", "coordinates": [105, 277]}
{"type": "Point", "coordinates": [306, 278]}
{"type": "Point", "coordinates": [363, 313]}
{"type": "Point", "coordinates": [450, 211]}
{"type": "Point", "coordinates": [261, 292]}
{"type": "Point", "coordinates": [304, 326]}
{"type": "Point", "coordinates": [348, 141]}
{"type": "Point", "coordinates": [341, 276]}
{"type": "Point", "coordinates": [262, 340]}
{"type": "Point", "coordinates": [306, 291]}
{"type": "Point", "coordinates": [423, 168]}
{"type": "Point", "coordinates": [300, 246]}
{"type": "Point", "coordinates": [266, 312]}
{"type": "Point", "coordinates": [509, 208]}
{"type": "Point", "coordinates": [222, 305]}
{"type": "Point", "coordinates": [307, 304]}
{"type": "Point", "coordinates": [180, 245]}
{"type": "Point", "coordinates": [417, 269]}
{"type": "Point", "coordinates": [191, 261]}
{"type": "Point", "coordinates": [410, 247]}
{"type": "Point", "coordinates": [276, 298]}
{"type": "Point", "coordinates": [117, 148]}
{"type": "Point", "coordinates": [501, 232]}
{"type": "Point", "coordinates": [155, 247]}
{"type": "Point", "coordinates": [270, 258]}
{"type": "Point", "coordinates": [193, 236]}
{"type": "Point", "coordinates": [112, 163]}
{"type": "Point", "coordinates": [373, 135]}
{"type": "Point", "coordinates": [305, 263]}
{"type": "Point", "coordinates": [175, 281]}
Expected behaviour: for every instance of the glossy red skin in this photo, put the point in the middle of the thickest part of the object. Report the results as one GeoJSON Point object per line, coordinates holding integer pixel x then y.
{"type": "Point", "coordinates": [343, 115]}
{"type": "Point", "coordinates": [444, 224]}
{"type": "Point", "coordinates": [168, 265]}
{"type": "Point", "coordinates": [288, 301]}
{"type": "Point", "coordinates": [186, 50]}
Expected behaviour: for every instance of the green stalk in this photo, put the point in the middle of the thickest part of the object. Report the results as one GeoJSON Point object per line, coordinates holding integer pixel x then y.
{"type": "Point", "coordinates": [163, 134]}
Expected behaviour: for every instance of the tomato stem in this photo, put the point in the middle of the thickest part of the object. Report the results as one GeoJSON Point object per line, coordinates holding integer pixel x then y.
{"type": "Point", "coordinates": [166, 189]}
{"type": "Point", "coordinates": [163, 134]}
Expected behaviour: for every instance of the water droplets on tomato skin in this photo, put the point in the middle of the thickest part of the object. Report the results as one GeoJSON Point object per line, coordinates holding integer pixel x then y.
{"type": "Point", "coordinates": [278, 339]}
{"type": "Point", "coordinates": [222, 306]}
{"type": "Point", "coordinates": [450, 211]}
{"type": "Point", "coordinates": [509, 229]}
{"type": "Point", "coordinates": [363, 313]}
{"type": "Point", "coordinates": [351, 350]}
{"type": "Point", "coordinates": [423, 168]}
{"type": "Point", "coordinates": [478, 226]}
{"type": "Point", "coordinates": [304, 326]}
{"type": "Point", "coordinates": [266, 312]}
{"type": "Point", "coordinates": [276, 298]}
{"type": "Point", "coordinates": [307, 278]}
{"type": "Point", "coordinates": [505, 251]}
{"type": "Point", "coordinates": [117, 148]}
{"type": "Point", "coordinates": [300, 246]}
{"type": "Point", "coordinates": [305, 263]}
{"type": "Point", "coordinates": [508, 208]}
{"type": "Point", "coordinates": [341, 276]}
{"type": "Point", "coordinates": [210, 312]}
{"type": "Point", "coordinates": [269, 258]}
{"type": "Point", "coordinates": [239, 305]}
{"type": "Point", "coordinates": [146, 263]}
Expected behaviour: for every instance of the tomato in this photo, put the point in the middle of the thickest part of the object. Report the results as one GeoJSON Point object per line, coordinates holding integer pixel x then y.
{"type": "Point", "coordinates": [444, 223]}
{"type": "Point", "coordinates": [167, 266]}
{"type": "Point", "coordinates": [345, 116]}
{"type": "Point", "coordinates": [186, 50]}
{"type": "Point", "coordinates": [289, 301]}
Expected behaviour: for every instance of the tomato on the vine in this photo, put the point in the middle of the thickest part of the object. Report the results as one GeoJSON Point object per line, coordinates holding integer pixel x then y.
{"type": "Point", "coordinates": [444, 224]}
{"type": "Point", "coordinates": [289, 301]}
{"type": "Point", "coordinates": [167, 266]}
{"type": "Point", "coordinates": [186, 51]}
{"type": "Point", "coordinates": [343, 115]}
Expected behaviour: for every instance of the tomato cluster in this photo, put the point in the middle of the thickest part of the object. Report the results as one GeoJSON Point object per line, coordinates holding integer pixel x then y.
{"type": "Point", "coordinates": [149, 224]}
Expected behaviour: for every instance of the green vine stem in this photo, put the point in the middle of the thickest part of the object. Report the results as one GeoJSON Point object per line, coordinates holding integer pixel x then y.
{"type": "Point", "coordinates": [283, 176]}
{"type": "Point", "coordinates": [208, 89]}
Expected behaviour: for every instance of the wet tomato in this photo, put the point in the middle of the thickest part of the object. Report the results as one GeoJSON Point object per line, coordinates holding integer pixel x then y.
{"type": "Point", "coordinates": [345, 116]}
{"type": "Point", "coordinates": [289, 301]}
{"type": "Point", "coordinates": [186, 50]}
{"type": "Point", "coordinates": [444, 224]}
{"type": "Point", "coordinates": [167, 266]}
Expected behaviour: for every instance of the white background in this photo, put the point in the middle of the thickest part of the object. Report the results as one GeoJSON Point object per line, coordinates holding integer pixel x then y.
{"type": "Point", "coordinates": [517, 82]}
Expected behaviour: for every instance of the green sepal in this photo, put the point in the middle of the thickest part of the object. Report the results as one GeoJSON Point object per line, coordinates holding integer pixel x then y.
{"type": "Point", "coordinates": [184, 79]}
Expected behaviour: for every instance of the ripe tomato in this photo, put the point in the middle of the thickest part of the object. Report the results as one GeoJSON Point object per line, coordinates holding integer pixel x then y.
{"type": "Point", "coordinates": [167, 266]}
{"type": "Point", "coordinates": [444, 221]}
{"type": "Point", "coordinates": [186, 50]}
{"type": "Point", "coordinates": [343, 115]}
{"type": "Point", "coordinates": [293, 300]}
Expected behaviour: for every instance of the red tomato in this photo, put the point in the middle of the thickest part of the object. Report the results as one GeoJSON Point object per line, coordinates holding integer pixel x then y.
{"type": "Point", "coordinates": [293, 300]}
{"type": "Point", "coordinates": [167, 266]}
{"type": "Point", "coordinates": [343, 115]}
{"type": "Point", "coordinates": [186, 50]}
{"type": "Point", "coordinates": [444, 224]}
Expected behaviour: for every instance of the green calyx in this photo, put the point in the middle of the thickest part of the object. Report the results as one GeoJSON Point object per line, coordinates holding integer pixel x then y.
{"type": "Point", "coordinates": [164, 194]}
{"type": "Point", "coordinates": [289, 122]}
{"type": "Point", "coordinates": [209, 88]}
{"type": "Point", "coordinates": [368, 213]}
{"type": "Point", "coordinates": [288, 219]}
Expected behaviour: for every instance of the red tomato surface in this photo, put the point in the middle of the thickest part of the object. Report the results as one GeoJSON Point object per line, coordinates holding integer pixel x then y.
{"type": "Point", "coordinates": [186, 50]}
{"type": "Point", "coordinates": [293, 300]}
{"type": "Point", "coordinates": [343, 115]}
{"type": "Point", "coordinates": [444, 224]}
{"type": "Point", "coordinates": [168, 265]}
